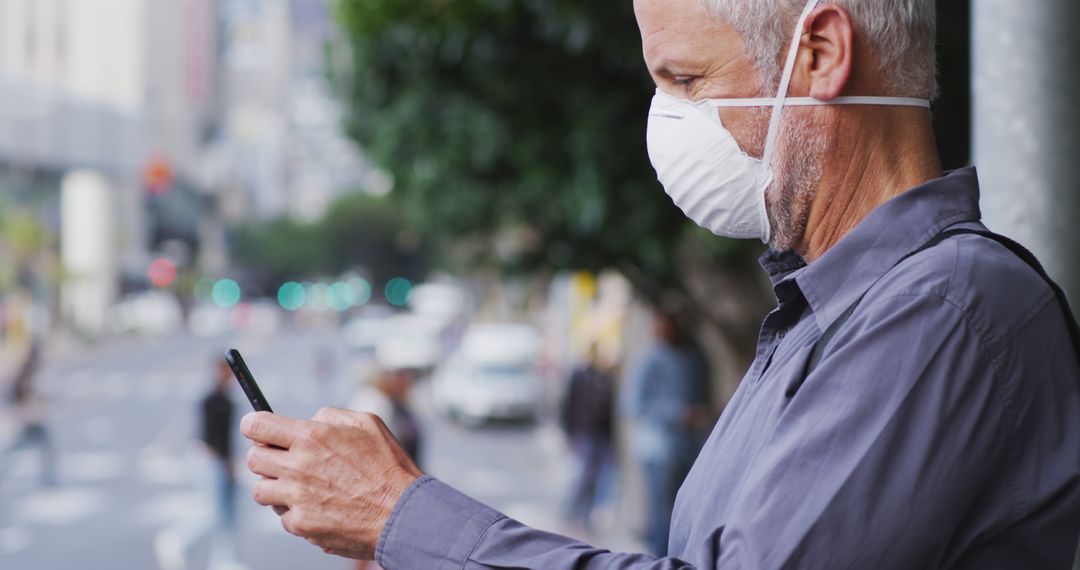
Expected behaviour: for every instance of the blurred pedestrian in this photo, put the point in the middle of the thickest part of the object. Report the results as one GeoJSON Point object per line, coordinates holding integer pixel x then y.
{"type": "Point", "coordinates": [30, 416]}
{"type": "Point", "coordinates": [216, 479]}
{"type": "Point", "coordinates": [586, 414]}
{"type": "Point", "coordinates": [665, 399]}
{"type": "Point", "coordinates": [387, 396]}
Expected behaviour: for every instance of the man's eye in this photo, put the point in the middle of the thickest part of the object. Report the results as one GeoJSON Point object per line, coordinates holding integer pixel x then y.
{"type": "Point", "coordinates": [683, 80]}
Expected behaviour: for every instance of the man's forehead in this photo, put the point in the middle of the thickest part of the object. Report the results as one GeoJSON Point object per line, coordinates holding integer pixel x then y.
{"type": "Point", "coordinates": [674, 31]}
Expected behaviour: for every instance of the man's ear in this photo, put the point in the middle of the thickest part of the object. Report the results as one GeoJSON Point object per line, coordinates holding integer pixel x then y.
{"type": "Point", "coordinates": [826, 54]}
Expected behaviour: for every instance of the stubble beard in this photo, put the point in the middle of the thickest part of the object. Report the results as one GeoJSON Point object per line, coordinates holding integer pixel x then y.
{"type": "Point", "coordinates": [797, 170]}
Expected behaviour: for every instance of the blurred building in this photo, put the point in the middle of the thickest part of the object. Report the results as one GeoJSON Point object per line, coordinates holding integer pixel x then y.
{"type": "Point", "coordinates": [182, 115]}
{"type": "Point", "coordinates": [123, 92]}
{"type": "Point", "coordinates": [284, 147]}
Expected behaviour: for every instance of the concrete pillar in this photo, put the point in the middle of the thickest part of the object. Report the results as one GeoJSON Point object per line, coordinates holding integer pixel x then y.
{"type": "Point", "coordinates": [87, 250]}
{"type": "Point", "coordinates": [1026, 127]}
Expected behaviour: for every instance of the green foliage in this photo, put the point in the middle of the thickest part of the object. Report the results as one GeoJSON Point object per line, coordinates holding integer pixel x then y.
{"type": "Point", "coordinates": [496, 114]}
{"type": "Point", "coordinates": [358, 231]}
{"type": "Point", "coordinates": [279, 250]}
{"type": "Point", "coordinates": [365, 231]}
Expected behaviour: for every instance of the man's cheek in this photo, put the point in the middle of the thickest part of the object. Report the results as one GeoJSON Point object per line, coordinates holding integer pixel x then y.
{"type": "Point", "coordinates": [747, 126]}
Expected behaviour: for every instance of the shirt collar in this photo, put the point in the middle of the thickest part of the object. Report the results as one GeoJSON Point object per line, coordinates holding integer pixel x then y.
{"type": "Point", "coordinates": [896, 228]}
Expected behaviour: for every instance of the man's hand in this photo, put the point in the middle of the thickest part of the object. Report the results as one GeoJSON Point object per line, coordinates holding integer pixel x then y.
{"type": "Point", "coordinates": [334, 480]}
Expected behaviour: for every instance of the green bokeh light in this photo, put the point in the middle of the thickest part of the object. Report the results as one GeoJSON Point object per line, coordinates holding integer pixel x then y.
{"type": "Point", "coordinates": [226, 293]}
{"type": "Point", "coordinates": [398, 291]}
{"type": "Point", "coordinates": [316, 297]}
{"type": "Point", "coordinates": [361, 291]}
{"type": "Point", "coordinates": [204, 289]}
{"type": "Point", "coordinates": [291, 296]}
{"type": "Point", "coordinates": [340, 297]}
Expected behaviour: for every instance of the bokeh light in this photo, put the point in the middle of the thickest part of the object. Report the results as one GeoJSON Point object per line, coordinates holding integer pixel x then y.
{"type": "Point", "coordinates": [291, 296]}
{"type": "Point", "coordinates": [162, 273]}
{"type": "Point", "coordinates": [226, 293]}
{"type": "Point", "coordinates": [361, 291]}
{"type": "Point", "coordinates": [398, 291]}
{"type": "Point", "coordinates": [204, 289]}
{"type": "Point", "coordinates": [316, 297]}
{"type": "Point", "coordinates": [340, 297]}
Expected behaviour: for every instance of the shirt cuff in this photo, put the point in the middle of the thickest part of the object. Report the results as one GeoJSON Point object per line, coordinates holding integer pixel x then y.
{"type": "Point", "coordinates": [433, 526]}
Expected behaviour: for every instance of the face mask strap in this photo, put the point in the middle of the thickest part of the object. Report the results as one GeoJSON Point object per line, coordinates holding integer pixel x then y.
{"type": "Point", "coordinates": [811, 102]}
{"type": "Point", "coordinates": [785, 80]}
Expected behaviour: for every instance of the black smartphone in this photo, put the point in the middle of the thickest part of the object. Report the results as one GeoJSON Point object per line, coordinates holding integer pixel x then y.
{"type": "Point", "coordinates": [247, 381]}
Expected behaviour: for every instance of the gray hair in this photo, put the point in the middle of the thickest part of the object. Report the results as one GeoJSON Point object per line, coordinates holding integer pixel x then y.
{"type": "Point", "coordinates": [902, 34]}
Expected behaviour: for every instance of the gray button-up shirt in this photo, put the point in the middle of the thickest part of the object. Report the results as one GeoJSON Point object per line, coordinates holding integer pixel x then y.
{"type": "Point", "coordinates": [941, 428]}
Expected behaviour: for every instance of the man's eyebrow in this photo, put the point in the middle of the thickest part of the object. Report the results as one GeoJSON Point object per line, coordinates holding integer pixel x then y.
{"type": "Point", "coordinates": [670, 63]}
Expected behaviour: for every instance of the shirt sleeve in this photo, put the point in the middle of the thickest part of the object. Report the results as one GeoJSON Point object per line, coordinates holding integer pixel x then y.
{"type": "Point", "coordinates": [886, 448]}
{"type": "Point", "coordinates": [433, 526]}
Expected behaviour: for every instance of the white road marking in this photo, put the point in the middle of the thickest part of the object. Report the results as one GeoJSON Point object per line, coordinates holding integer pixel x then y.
{"type": "Point", "coordinates": [13, 540]}
{"type": "Point", "coordinates": [91, 466]}
{"type": "Point", "coordinates": [159, 467]}
{"type": "Point", "coordinates": [61, 507]}
{"type": "Point", "coordinates": [169, 508]}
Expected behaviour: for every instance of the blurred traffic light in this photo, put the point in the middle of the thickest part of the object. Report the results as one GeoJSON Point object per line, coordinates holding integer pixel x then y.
{"type": "Point", "coordinates": [398, 291]}
{"type": "Point", "coordinates": [291, 296]}
{"type": "Point", "coordinates": [162, 273]}
{"type": "Point", "coordinates": [361, 291]}
{"type": "Point", "coordinates": [226, 293]}
{"type": "Point", "coordinates": [158, 176]}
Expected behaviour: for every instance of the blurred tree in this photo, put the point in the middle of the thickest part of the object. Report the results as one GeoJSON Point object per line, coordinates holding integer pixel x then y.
{"type": "Point", "coordinates": [360, 230]}
{"type": "Point", "coordinates": [521, 124]}
{"type": "Point", "coordinates": [278, 250]}
{"type": "Point", "coordinates": [357, 231]}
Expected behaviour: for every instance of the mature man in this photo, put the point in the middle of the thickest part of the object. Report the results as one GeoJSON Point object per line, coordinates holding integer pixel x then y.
{"type": "Point", "coordinates": [915, 400]}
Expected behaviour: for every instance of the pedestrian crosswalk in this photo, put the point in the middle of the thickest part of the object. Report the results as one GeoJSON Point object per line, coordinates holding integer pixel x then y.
{"type": "Point", "coordinates": [88, 388]}
{"type": "Point", "coordinates": [60, 506]}
{"type": "Point", "coordinates": [122, 418]}
{"type": "Point", "coordinates": [96, 487]}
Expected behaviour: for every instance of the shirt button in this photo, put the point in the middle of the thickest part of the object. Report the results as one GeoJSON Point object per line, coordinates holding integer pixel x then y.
{"type": "Point", "coordinates": [780, 335]}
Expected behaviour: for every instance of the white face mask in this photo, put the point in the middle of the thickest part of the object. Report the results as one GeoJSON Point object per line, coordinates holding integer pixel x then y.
{"type": "Point", "coordinates": [704, 170]}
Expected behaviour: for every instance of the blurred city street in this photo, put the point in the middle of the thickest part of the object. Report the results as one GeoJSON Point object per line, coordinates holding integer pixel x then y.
{"type": "Point", "coordinates": [383, 209]}
{"type": "Point", "coordinates": [122, 414]}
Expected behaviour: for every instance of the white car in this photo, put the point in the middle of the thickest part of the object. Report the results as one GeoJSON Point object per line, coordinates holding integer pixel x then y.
{"type": "Point", "coordinates": [409, 341]}
{"type": "Point", "coordinates": [152, 313]}
{"type": "Point", "coordinates": [492, 376]}
{"type": "Point", "coordinates": [364, 332]}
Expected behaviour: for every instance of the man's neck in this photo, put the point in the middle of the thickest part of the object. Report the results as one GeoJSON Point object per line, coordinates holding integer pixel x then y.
{"type": "Point", "coordinates": [868, 169]}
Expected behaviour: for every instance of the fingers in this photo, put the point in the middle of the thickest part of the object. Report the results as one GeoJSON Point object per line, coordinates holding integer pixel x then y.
{"type": "Point", "coordinates": [272, 493]}
{"type": "Point", "coordinates": [343, 417]}
{"type": "Point", "coordinates": [267, 461]}
{"type": "Point", "coordinates": [271, 429]}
